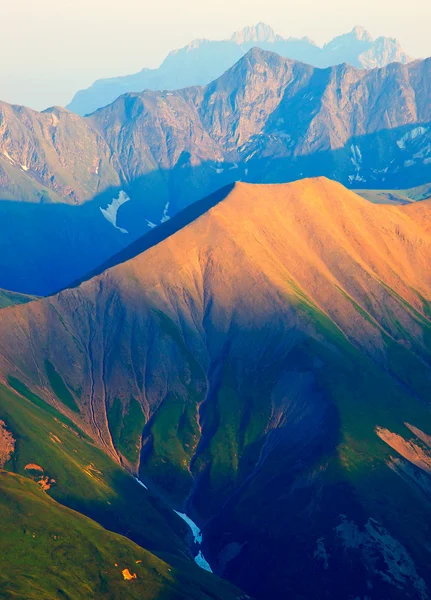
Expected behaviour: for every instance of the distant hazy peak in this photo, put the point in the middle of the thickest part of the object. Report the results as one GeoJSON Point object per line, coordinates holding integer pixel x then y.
{"type": "Point", "coordinates": [193, 45]}
{"type": "Point", "coordinates": [305, 39]}
{"type": "Point", "coordinates": [257, 33]}
{"type": "Point", "coordinates": [358, 34]}
{"type": "Point", "coordinates": [361, 34]}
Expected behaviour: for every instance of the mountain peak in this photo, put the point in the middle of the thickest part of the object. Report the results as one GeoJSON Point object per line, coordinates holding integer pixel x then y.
{"type": "Point", "coordinates": [257, 33]}
{"type": "Point", "coordinates": [321, 193]}
{"type": "Point", "coordinates": [361, 34]}
{"type": "Point", "coordinates": [258, 52]}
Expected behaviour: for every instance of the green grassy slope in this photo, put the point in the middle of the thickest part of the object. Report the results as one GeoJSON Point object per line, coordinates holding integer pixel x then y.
{"type": "Point", "coordinates": [336, 465]}
{"type": "Point", "coordinates": [11, 298]}
{"type": "Point", "coordinates": [86, 479]}
{"type": "Point", "coordinates": [397, 196]}
{"type": "Point", "coordinates": [49, 551]}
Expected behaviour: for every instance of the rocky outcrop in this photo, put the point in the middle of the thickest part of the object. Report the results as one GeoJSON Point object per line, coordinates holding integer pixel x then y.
{"type": "Point", "coordinates": [7, 444]}
{"type": "Point", "coordinates": [53, 156]}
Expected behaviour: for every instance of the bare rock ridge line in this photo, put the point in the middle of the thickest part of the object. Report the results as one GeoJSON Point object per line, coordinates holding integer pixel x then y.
{"type": "Point", "coordinates": [50, 143]}
{"type": "Point", "coordinates": [201, 61]}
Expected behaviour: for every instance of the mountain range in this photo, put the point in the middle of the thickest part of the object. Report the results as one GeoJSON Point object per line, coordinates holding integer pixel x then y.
{"type": "Point", "coordinates": [261, 361]}
{"type": "Point", "coordinates": [74, 191]}
{"type": "Point", "coordinates": [202, 61]}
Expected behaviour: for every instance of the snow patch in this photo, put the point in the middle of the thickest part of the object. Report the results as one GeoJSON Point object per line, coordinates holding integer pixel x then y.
{"type": "Point", "coordinates": [197, 533]}
{"type": "Point", "coordinates": [110, 212]}
{"type": "Point", "coordinates": [425, 151]}
{"type": "Point", "coordinates": [202, 562]}
{"type": "Point", "coordinates": [8, 156]}
{"type": "Point", "coordinates": [356, 159]}
{"type": "Point", "coordinates": [410, 136]}
{"type": "Point", "coordinates": [356, 156]}
{"type": "Point", "coordinates": [165, 216]}
{"type": "Point", "coordinates": [321, 554]}
{"type": "Point", "coordinates": [141, 483]}
{"type": "Point", "coordinates": [200, 559]}
{"type": "Point", "coordinates": [250, 156]}
{"type": "Point", "coordinates": [356, 177]}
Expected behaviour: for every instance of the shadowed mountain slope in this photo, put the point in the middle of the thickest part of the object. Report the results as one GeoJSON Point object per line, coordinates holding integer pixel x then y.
{"type": "Point", "coordinates": [50, 551]}
{"type": "Point", "coordinates": [265, 368]}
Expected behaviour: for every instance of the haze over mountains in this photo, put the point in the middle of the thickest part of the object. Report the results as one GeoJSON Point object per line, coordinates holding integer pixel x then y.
{"type": "Point", "coordinates": [202, 61]}
{"type": "Point", "coordinates": [265, 368]}
{"type": "Point", "coordinates": [76, 190]}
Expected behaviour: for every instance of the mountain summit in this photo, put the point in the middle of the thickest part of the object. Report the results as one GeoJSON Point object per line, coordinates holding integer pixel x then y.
{"type": "Point", "coordinates": [360, 33]}
{"type": "Point", "coordinates": [265, 366]}
{"type": "Point", "coordinates": [259, 33]}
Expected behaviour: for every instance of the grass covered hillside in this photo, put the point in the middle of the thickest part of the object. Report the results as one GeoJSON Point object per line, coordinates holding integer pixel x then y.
{"type": "Point", "coordinates": [50, 551]}
{"type": "Point", "coordinates": [11, 298]}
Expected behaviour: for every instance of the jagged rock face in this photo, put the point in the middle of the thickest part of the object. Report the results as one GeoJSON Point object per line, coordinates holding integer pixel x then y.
{"type": "Point", "coordinates": [268, 119]}
{"type": "Point", "coordinates": [264, 106]}
{"type": "Point", "coordinates": [258, 33]}
{"type": "Point", "coordinates": [271, 119]}
{"type": "Point", "coordinates": [268, 111]}
{"type": "Point", "coordinates": [53, 156]}
{"type": "Point", "coordinates": [201, 61]}
{"type": "Point", "coordinates": [248, 113]}
{"type": "Point", "coordinates": [272, 350]}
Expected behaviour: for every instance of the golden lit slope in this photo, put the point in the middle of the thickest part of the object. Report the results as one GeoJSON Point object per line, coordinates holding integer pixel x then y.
{"type": "Point", "coordinates": [313, 234]}
{"type": "Point", "coordinates": [245, 261]}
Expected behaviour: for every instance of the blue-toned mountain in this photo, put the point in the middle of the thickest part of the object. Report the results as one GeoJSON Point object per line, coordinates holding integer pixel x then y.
{"type": "Point", "coordinates": [202, 61]}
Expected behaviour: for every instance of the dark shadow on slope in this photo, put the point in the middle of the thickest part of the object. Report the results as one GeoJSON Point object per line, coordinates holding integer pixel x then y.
{"type": "Point", "coordinates": [165, 230]}
{"type": "Point", "coordinates": [43, 246]}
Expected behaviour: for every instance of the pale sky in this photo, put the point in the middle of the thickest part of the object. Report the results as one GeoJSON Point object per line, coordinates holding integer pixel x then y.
{"type": "Point", "coordinates": [52, 48]}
